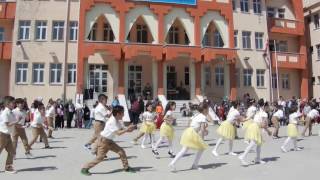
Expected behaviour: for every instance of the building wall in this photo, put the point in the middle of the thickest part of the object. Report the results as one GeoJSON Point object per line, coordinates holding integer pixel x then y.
{"type": "Point", "coordinates": [4, 77]}
{"type": "Point", "coordinates": [42, 52]}
{"type": "Point", "coordinates": [8, 26]}
{"type": "Point", "coordinates": [313, 42]}
{"type": "Point", "coordinates": [286, 4]}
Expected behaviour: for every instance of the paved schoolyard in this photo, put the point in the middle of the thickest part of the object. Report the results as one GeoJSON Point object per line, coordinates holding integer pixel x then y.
{"type": "Point", "coordinates": [64, 161]}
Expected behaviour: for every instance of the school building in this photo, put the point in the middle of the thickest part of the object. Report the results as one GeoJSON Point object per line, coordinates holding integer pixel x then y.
{"type": "Point", "coordinates": [180, 49]}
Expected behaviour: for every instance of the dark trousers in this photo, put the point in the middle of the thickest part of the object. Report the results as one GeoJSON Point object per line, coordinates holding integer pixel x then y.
{"type": "Point", "coordinates": [134, 117]}
{"type": "Point", "coordinates": [69, 119]}
{"type": "Point", "coordinates": [59, 123]}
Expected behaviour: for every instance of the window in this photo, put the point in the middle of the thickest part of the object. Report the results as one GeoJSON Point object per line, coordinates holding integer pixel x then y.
{"type": "Point", "coordinates": [244, 5]}
{"type": "Point", "coordinates": [246, 39]}
{"type": "Point", "coordinates": [274, 81]}
{"type": "Point", "coordinates": [318, 79]}
{"type": "Point", "coordinates": [260, 77]}
{"type": "Point", "coordinates": [257, 6]}
{"type": "Point", "coordinates": [72, 73]}
{"type": "Point", "coordinates": [108, 34]}
{"type": "Point", "coordinates": [237, 75]}
{"type": "Point", "coordinates": [281, 13]}
{"type": "Point", "coordinates": [218, 42]}
{"type": "Point", "coordinates": [174, 35]}
{"type": "Point", "coordinates": [316, 21]}
{"type": "Point", "coordinates": [93, 33]}
{"type": "Point", "coordinates": [57, 32]}
{"type": "Point", "coordinates": [219, 76]}
{"type": "Point", "coordinates": [247, 77]}
{"type": "Point", "coordinates": [285, 81]}
{"type": "Point", "coordinates": [21, 72]}
{"type": "Point", "coordinates": [38, 73]}
{"type": "Point", "coordinates": [318, 51]}
{"type": "Point", "coordinates": [259, 40]}
{"type": "Point", "coordinates": [1, 34]}
{"type": "Point", "coordinates": [235, 36]}
{"type": "Point", "coordinates": [206, 39]}
{"type": "Point", "coordinates": [271, 12]}
{"type": "Point", "coordinates": [55, 73]}
{"type": "Point", "coordinates": [186, 76]}
{"type": "Point", "coordinates": [207, 72]}
{"type": "Point", "coordinates": [142, 34]}
{"type": "Point", "coordinates": [24, 30]}
{"type": "Point", "coordinates": [73, 32]}
{"type": "Point", "coordinates": [41, 30]}
{"type": "Point", "coordinates": [234, 6]}
{"type": "Point", "coordinates": [282, 46]}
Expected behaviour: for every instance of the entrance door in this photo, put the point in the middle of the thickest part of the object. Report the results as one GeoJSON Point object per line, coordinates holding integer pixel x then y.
{"type": "Point", "coordinates": [98, 78]}
{"type": "Point", "coordinates": [135, 80]}
{"type": "Point", "coordinates": [171, 83]}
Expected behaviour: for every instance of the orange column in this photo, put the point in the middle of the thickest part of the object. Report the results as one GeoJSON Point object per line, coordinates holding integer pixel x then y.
{"type": "Point", "coordinates": [121, 74]}
{"type": "Point", "coordinates": [122, 30]}
{"type": "Point", "coordinates": [197, 31]}
{"type": "Point", "coordinates": [80, 75]}
{"type": "Point", "coordinates": [161, 28]}
{"type": "Point", "coordinates": [160, 76]}
{"type": "Point", "coordinates": [233, 83]}
{"type": "Point", "coordinates": [304, 89]}
{"type": "Point", "coordinates": [198, 78]}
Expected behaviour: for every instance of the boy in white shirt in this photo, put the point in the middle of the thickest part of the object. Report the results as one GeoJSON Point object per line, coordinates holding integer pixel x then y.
{"type": "Point", "coordinates": [50, 115]}
{"type": "Point", "coordinates": [277, 116]}
{"type": "Point", "coordinates": [311, 116]}
{"type": "Point", "coordinates": [101, 115]}
{"type": "Point", "coordinates": [7, 123]}
{"type": "Point", "coordinates": [19, 130]}
{"type": "Point", "coordinates": [106, 142]}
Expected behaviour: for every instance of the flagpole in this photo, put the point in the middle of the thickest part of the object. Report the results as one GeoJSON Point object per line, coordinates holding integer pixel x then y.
{"type": "Point", "coordinates": [277, 70]}
{"type": "Point", "coordinates": [270, 75]}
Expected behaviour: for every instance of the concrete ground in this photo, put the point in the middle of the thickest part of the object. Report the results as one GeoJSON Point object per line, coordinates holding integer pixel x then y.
{"type": "Point", "coordinates": [66, 158]}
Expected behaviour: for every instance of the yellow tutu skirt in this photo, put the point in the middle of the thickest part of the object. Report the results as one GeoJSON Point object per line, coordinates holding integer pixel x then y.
{"type": "Point", "coordinates": [167, 130]}
{"type": "Point", "coordinates": [253, 133]}
{"type": "Point", "coordinates": [227, 130]}
{"type": "Point", "coordinates": [148, 127]}
{"type": "Point", "coordinates": [246, 124]}
{"type": "Point", "coordinates": [292, 130]}
{"type": "Point", "coordinates": [191, 139]}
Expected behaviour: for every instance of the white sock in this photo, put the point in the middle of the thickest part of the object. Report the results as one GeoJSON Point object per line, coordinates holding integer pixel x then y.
{"type": "Point", "coordinates": [258, 153]}
{"type": "Point", "coordinates": [218, 144]}
{"type": "Point", "coordinates": [249, 147]}
{"type": "Point", "coordinates": [230, 145]}
{"type": "Point", "coordinates": [158, 143]}
{"type": "Point", "coordinates": [182, 152]}
{"type": "Point", "coordinates": [286, 142]}
{"type": "Point", "coordinates": [197, 158]}
{"type": "Point", "coordinates": [295, 143]}
{"type": "Point", "coordinates": [144, 139]}
{"type": "Point", "coordinates": [170, 146]}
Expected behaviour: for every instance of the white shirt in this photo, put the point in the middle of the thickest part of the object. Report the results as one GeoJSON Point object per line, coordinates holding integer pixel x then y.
{"type": "Point", "coordinates": [233, 115]}
{"type": "Point", "coordinates": [251, 112]}
{"type": "Point", "coordinates": [101, 113]}
{"type": "Point", "coordinates": [260, 117]}
{"type": "Point", "coordinates": [20, 115]}
{"type": "Point", "coordinates": [37, 119]}
{"type": "Point", "coordinates": [279, 114]}
{"type": "Point", "coordinates": [294, 117]}
{"type": "Point", "coordinates": [111, 127]}
{"type": "Point", "coordinates": [148, 116]}
{"type": "Point", "coordinates": [197, 120]}
{"type": "Point", "coordinates": [51, 112]}
{"type": "Point", "coordinates": [92, 113]}
{"type": "Point", "coordinates": [313, 114]}
{"type": "Point", "coordinates": [7, 116]}
{"type": "Point", "coordinates": [169, 115]}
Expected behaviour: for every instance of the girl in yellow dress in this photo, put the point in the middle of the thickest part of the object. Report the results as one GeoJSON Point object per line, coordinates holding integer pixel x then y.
{"type": "Point", "coordinates": [166, 129]}
{"type": "Point", "coordinates": [148, 126]}
{"type": "Point", "coordinates": [292, 129]}
{"type": "Point", "coordinates": [192, 137]}
{"type": "Point", "coordinates": [227, 130]}
{"type": "Point", "coordinates": [249, 115]}
{"type": "Point", "coordinates": [254, 133]}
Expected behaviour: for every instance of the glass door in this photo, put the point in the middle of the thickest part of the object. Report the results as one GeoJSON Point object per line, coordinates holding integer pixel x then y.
{"type": "Point", "coordinates": [98, 78]}
{"type": "Point", "coordinates": [135, 80]}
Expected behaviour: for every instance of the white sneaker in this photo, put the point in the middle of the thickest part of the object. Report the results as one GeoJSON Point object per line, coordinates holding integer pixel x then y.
{"type": "Point", "coordinates": [215, 153]}
{"type": "Point", "coordinates": [243, 162]}
{"type": "Point", "coordinates": [232, 154]}
{"type": "Point", "coordinates": [259, 162]}
{"type": "Point", "coordinates": [196, 167]}
{"type": "Point", "coordinates": [143, 146]}
{"type": "Point", "coordinates": [298, 149]}
{"type": "Point", "coordinates": [134, 142]}
{"type": "Point", "coordinates": [283, 149]}
{"type": "Point", "coordinates": [172, 168]}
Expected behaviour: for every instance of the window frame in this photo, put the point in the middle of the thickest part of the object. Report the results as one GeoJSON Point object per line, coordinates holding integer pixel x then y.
{"type": "Point", "coordinates": [285, 81]}
{"type": "Point", "coordinates": [244, 6]}
{"type": "Point", "coordinates": [259, 40]}
{"type": "Point", "coordinates": [73, 30]}
{"type": "Point", "coordinates": [22, 71]}
{"type": "Point", "coordinates": [25, 29]}
{"type": "Point", "coordinates": [246, 40]}
{"type": "Point", "coordinates": [260, 75]}
{"type": "Point", "coordinates": [58, 28]}
{"type": "Point", "coordinates": [38, 71]}
{"type": "Point", "coordinates": [55, 72]}
{"type": "Point", "coordinates": [72, 73]}
{"type": "Point", "coordinates": [257, 6]}
{"type": "Point", "coordinates": [219, 76]}
{"type": "Point", "coordinates": [247, 77]}
{"type": "Point", "coordinates": [42, 30]}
